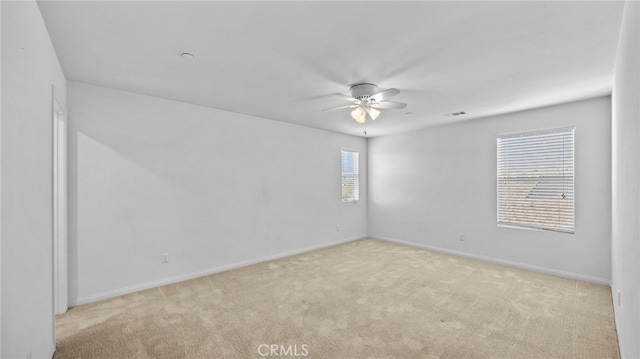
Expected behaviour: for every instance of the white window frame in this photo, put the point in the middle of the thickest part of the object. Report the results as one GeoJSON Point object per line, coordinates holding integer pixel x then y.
{"type": "Point", "coordinates": [520, 152]}
{"type": "Point", "coordinates": [356, 174]}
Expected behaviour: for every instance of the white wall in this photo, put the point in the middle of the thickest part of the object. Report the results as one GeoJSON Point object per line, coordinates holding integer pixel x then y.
{"type": "Point", "coordinates": [213, 189]}
{"type": "Point", "coordinates": [29, 69]}
{"type": "Point", "coordinates": [0, 181]}
{"type": "Point", "coordinates": [626, 184]}
{"type": "Point", "coordinates": [427, 186]}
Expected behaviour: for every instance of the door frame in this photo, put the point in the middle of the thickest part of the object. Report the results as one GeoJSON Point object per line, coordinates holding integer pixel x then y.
{"type": "Point", "coordinates": [59, 210]}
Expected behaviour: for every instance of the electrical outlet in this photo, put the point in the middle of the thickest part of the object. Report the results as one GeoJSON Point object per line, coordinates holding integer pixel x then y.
{"type": "Point", "coordinates": [461, 236]}
{"type": "Point", "coordinates": [165, 257]}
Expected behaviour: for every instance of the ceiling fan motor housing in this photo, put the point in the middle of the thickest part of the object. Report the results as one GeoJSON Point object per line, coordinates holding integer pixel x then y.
{"type": "Point", "coordinates": [363, 91]}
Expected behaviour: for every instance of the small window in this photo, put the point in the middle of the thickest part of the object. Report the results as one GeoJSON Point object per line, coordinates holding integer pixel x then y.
{"type": "Point", "coordinates": [350, 176]}
{"type": "Point", "coordinates": [536, 179]}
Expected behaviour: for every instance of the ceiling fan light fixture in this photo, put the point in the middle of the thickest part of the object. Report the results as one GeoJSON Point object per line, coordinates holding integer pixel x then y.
{"type": "Point", "coordinates": [359, 115]}
{"type": "Point", "coordinates": [373, 113]}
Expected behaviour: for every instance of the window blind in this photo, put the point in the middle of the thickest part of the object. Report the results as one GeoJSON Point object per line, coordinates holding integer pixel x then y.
{"type": "Point", "coordinates": [350, 176]}
{"type": "Point", "coordinates": [536, 179]}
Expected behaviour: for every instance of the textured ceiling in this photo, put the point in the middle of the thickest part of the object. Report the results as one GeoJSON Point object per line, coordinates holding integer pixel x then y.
{"type": "Point", "coordinates": [282, 60]}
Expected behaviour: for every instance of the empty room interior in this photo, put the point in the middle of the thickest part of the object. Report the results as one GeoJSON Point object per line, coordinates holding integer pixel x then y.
{"type": "Point", "coordinates": [331, 179]}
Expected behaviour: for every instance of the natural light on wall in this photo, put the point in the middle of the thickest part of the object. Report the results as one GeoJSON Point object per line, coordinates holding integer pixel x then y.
{"type": "Point", "coordinates": [350, 176]}
{"type": "Point", "coordinates": [536, 179]}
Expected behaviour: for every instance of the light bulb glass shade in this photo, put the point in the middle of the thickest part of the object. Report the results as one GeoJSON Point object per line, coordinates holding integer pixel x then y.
{"type": "Point", "coordinates": [359, 114]}
{"type": "Point", "coordinates": [373, 113]}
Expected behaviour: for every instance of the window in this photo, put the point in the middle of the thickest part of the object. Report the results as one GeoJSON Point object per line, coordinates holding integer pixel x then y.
{"type": "Point", "coordinates": [350, 176]}
{"type": "Point", "coordinates": [536, 179]}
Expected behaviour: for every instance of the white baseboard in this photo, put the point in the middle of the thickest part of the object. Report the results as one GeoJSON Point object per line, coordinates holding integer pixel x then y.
{"type": "Point", "coordinates": [183, 277]}
{"type": "Point", "coordinates": [509, 263]}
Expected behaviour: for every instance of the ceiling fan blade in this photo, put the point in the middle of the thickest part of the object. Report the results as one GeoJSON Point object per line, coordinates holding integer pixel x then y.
{"type": "Point", "coordinates": [383, 95]}
{"type": "Point", "coordinates": [340, 108]}
{"type": "Point", "coordinates": [389, 105]}
{"type": "Point", "coordinates": [348, 98]}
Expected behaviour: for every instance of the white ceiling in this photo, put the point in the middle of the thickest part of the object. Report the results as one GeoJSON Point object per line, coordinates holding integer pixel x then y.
{"type": "Point", "coordinates": [282, 60]}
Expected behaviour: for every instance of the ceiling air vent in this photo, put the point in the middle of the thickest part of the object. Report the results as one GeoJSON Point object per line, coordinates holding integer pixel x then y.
{"type": "Point", "coordinates": [454, 114]}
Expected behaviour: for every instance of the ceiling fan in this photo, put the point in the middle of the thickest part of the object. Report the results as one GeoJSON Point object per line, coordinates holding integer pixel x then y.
{"type": "Point", "coordinates": [366, 101]}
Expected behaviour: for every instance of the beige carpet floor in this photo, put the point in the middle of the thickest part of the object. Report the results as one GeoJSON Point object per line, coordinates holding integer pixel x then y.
{"type": "Point", "coordinates": [363, 299]}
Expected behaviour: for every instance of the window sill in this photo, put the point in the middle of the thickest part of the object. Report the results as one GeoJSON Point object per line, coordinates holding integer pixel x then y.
{"type": "Point", "coordinates": [513, 226]}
